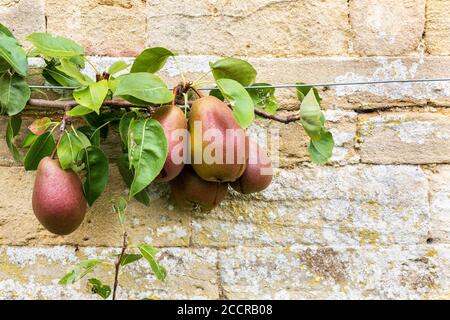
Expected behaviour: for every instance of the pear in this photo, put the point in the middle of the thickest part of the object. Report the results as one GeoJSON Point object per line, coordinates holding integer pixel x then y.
{"type": "Point", "coordinates": [174, 123]}
{"type": "Point", "coordinates": [188, 189]}
{"type": "Point", "coordinates": [258, 173]}
{"type": "Point", "coordinates": [58, 200]}
{"type": "Point", "coordinates": [218, 143]}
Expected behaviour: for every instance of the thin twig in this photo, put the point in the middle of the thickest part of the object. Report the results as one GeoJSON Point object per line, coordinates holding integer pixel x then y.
{"type": "Point", "coordinates": [118, 262]}
{"type": "Point", "coordinates": [283, 119]}
{"type": "Point", "coordinates": [60, 104]}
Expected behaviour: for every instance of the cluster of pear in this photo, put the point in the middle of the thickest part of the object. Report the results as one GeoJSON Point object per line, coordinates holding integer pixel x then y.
{"type": "Point", "coordinates": [204, 183]}
{"type": "Point", "coordinates": [58, 198]}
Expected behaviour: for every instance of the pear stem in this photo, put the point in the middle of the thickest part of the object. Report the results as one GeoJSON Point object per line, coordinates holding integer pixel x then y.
{"type": "Point", "coordinates": [62, 128]}
{"type": "Point", "coordinates": [118, 262]}
{"type": "Point", "coordinates": [197, 92]}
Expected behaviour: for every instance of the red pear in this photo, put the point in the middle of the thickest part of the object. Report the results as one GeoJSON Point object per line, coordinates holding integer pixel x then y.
{"type": "Point", "coordinates": [174, 123]}
{"type": "Point", "coordinates": [189, 189]}
{"type": "Point", "coordinates": [217, 141]}
{"type": "Point", "coordinates": [58, 199]}
{"type": "Point", "coordinates": [258, 174]}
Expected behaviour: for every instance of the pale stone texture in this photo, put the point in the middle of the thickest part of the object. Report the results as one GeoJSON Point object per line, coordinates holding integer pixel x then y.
{"type": "Point", "coordinates": [350, 206]}
{"type": "Point", "coordinates": [288, 144]}
{"type": "Point", "coordinates": [405, 137]}
{"type": "Point", "coordinates": [386, 27]}
{"type": "Point", "coordinates": [158, 224]}
{"type": "Point", "coordinates": [329, 70]}
{"type": "Point", "coordinates": [103, 27]}
{"type": "Point", "coordinates": [268, 27]}
{"type": "Point", "coordinates": [342, 70]}
{"type": "Point", "coordinates": [437, 32]}
{"type": "Point", "coordinates": [397, 272]}
{"type": "Point", "coordinates": [23, 17]}
{"type": "Point", "coordinates": [440, 204]}
{"type": "Point", "coordinates": [34, 272]}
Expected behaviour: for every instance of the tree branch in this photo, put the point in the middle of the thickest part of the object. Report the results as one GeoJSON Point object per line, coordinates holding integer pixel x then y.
{"type": "Point", "coordinates": [61, 104]}
{"type": "Point", "coordinates": [283, 119]}
{"type": "Point", "coordinates": [118, 262]}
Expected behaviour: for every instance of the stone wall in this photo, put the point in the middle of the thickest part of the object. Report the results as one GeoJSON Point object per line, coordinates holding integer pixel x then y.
{"type": "Point", "coordinates": [374, 223]}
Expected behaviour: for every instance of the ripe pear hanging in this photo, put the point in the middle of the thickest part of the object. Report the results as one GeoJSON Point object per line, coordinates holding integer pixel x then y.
{"type": "Point", "coordinates": [174, 123]}
{"type": "Point", "coordinates": [258, 174]}
{"type": "Point", "coordinates": [189, 189]}
{"type": "Point", "coordinates": [58, 199]}
{"type": "Point", "coordinates": [218, 151]}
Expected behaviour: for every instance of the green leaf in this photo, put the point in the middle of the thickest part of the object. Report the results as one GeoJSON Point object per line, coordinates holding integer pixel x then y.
{"type": "Point", "coordinates": [79, 111]}
{"type": "Point", "coordinates": [29, 139]}
{"type": "Point", "coordinates": [117, 66]}
{"type": "Point", "coordinates": [14, 93]}
{"type": "Point", "coordinates": [113, 83]}
{"type": "Point", "coordinates": [151, 60]}
{"type": "Point", "coordinates": [303, 91]}
{"type": "Point", "coordinates": [149, 254]}
{"type": "Point", "coordinates": [124, 127]}
{"type": "Point", "coordinates": [128, 177]}
{"type": "Point", "coordinates": [120, 208]}
{"type": "Point", "coordinates": [80, 61]}
{"type": "Point", "coordinates": [144, 86]}
{"type": "Point", "coordinates": [103, 120]}
{"type": "Point", "coordinates": [6, 31]}
{"type": "Point", "coordinates": [130, 258]}
{"type": "Point", "coordinates": [92, 134]}
{"type": "Point", "coordinates": [217, 93]}
{"type": "Point", "coordinates": [12, 130]}
{"type": "Point", "coordinates": [41, 148]}
{"type": "Point", "coordinates": [148, 149]}
{"type": "Point", "coordinates": [4, 66]}
{"type": "Point", "coordinates": [240, 100]}
{"type": "Point", "coordinates": [82, 269]}
{"type": "Point", "coordinates": [58, 78]}
{"type": "Point", "coordinates": [85, 141]}
{"type": "Point", "coordinates": [69, 148]}
{"type": "Point", "coordinates": [321, 149]}
{"type": "Point", "coordinates": [55, 47]}
{"type": "Point", "coordinates": [234, 69]}
{"type": "Point", "coordinates": [264, 98]}
{"type": "Point", "coordinates": [99, 288]}
{"type": "Point", "coordinates": [311, 116]}
{"type": "Point", "coordinates": [97, 173]}
{"type": "Point", "coordinates": [39, 126]}
{"type": "Point", "coordinates": [93, 96]}
{"type": "Point", "coordinates": [13, 54]}
{"type": "Point", "coordinates": [71, 69]}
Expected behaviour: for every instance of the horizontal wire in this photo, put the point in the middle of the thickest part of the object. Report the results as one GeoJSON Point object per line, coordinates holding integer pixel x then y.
{"type": "Point", "coordinates": [282, 86]}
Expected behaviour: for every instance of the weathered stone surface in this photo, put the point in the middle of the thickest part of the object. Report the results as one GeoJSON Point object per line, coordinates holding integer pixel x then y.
{"type": "Point", "coordinates": [330, 69]}
{"type": "Point", "coordinates": [343, 70]}
{"type": "Point", "coordinates": [23, 17]}
{"type": "Point", "coordinates": [440, 204]}
{"type": "Point", "coordinates": [386, 27]}
{"type": "Point", "coordinates": [255, 28]}
{"type": "Point", "coordinates": [437, 32]}
{"type": "Point", "coordinates": [158, 224]}
{"type": "Point", "coordinates": [350, 206]}
{"type": "Point", "coordinates": [288, 144]}
{"type": "Point", "coordinates": [103, 27]}
{"type": "Point", "coordinates": [398, 272]}
{"type": "Point", "coordinates": [33, 273]}
{"type": "Point", "coordinates": [405, 137]}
